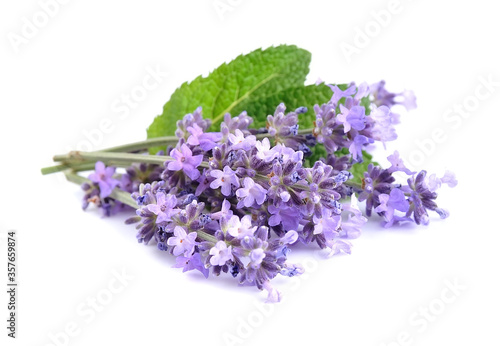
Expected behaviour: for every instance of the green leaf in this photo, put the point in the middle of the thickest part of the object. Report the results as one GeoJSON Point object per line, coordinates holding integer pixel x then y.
{"type": "Point", "coordinates": [246, 78]}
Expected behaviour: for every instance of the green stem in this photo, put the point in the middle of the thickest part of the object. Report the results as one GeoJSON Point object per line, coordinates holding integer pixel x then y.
{"type": "Point", "coordinates": [82, 156]}
{"type": "Point", "coordinates": [74, 168]}
{"type": "Point", "coordinates": [81, 160]}
{"type": "Point", "coordinates": [117, 193]}
{"type": "Point", "coordinates": [206, 236]}
{"type": "Point", "coordinates": [353, 184]}
{"type": "Point", "coordinates": [142, 145]}
{"type": "Point", "coordinates": [305, 131]}
{"type": "Point", "coordinates": [300, 132]}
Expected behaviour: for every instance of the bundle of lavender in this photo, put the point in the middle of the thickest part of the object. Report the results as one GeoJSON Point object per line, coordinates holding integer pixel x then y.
{"type": "Point", "coordinates": [235, 193]}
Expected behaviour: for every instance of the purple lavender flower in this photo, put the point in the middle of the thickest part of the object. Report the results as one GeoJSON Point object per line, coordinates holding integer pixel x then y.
{"type": "Point", "coordinates": [433, 182]}
{"type": "Point", "coordinates": [239, 141]}
{"type": "Point", "coordinates": [204, 181]}
{"type": "Point", "coordinates": [338, 245]}
{"type": "Point", "coordinates": [288, 216]}
{"type": "Point", "coordinates": [351, 228]}
{"type": "Point", "coordinates": [185, 161]}
{"type": "Point", "coordinates": [250, 193]}
{"type": "Point", "coordinates": [327, 223]}
{"type": "Point", "coordinates": [339, 94]}
{"type": "Point", "coordinates": [240, 228]}
{"type": "Point", "coordinates": [264, 151]}
{"type": "Point", "coordinates": [352, 118]}
{"type": "Point", "coordinates": [190, 263]}
{"type": "Point", "coordinates": [421, 199]}
{"type": "Point", "coordinates": [397, 164]}
{"type": "Point", "coordinates": [327, 130]}
{"type": "Point", "coordinates": [182, 242]}
{"type": "Point", "coordinates": [240, 122]}
{"type": "Point", "coordinates": [224, 179]}
{"type": "Point", "coordinates": [386, 98]}
{"type": "Point", "coordinates": [274, 296]}
{"type": "Point", "coordinates": [164, 208]}
{"type": "Point", "coordinates": [103, 176]}
{"type": "Point", "coordinates": [396, 200]}
{"type": "Point", "coordinates": [376, 181]}
{"type": "Point", "coordinates": [190, 120]}
{"type": "Point", "coordinates": [283, 153]}
{"type": "Point", "coordinates": [382, 122]}
{"type": "Point", "coordinates": [256, 256]}
{"type": "Point", "coordinates": [220, 253]}
{"type": "Point", "coordinates": [207, 141]}
{"type": "Point", "coordinates": [291, 270]}
{"type": "Point", "coordinates": [225, 211]}
{"type": "Point", "coordinates": [357, 146]}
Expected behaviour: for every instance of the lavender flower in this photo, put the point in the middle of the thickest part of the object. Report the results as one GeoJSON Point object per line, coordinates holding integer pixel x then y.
{"type": "Point", "coordinates": [288, 216]}
{"type": "Point", "coordinates": [352, 118]}
{"type": "Point", "coordinates": [338, 94]}
{"type": "Point", "coordinates": [207, 141]}
{"type": "Point", "coordinates": [396, 200]}
{"type": "Point", "coordinates": [397, 164]}
{"type": "Point", "coordinates": [239, 141]}
{"type": "Point", "coordinates": [225, 211]}
{"type": "Point", "coordinates": [103, 176]}
{"type": "Point", "coordinates": [250, 194]}
{"type": "Point", "coordinates": [164, 208]}
{"type": "Point", "coordinates": [220, 253]}
{"type": "Point", "coordinates": [182, 242]}
{"type": "Point", "coordinates": [191, 263]}
{"type": "Point", "coordinates": [184, 160]}
{"type": "Point", "coordinates": [240, 228]}
{"type": "Point", "coordinates": [264, 151]}
{"type": "Point", "coordinates": [224, 179]}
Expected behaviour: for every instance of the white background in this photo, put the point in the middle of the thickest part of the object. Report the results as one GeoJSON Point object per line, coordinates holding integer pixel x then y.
{"type": "Point", "coordinates": [65, 80]}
